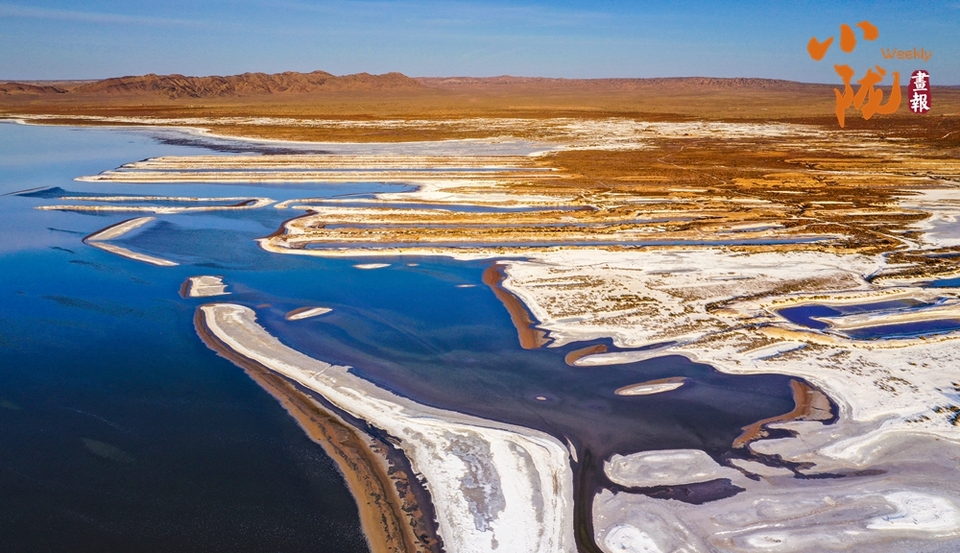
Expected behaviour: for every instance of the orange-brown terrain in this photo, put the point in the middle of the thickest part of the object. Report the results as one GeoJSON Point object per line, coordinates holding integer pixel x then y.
{"type": "Point", "coordinates": [825, 180]}
{"type": "Point", "coordinates": [396, 96]}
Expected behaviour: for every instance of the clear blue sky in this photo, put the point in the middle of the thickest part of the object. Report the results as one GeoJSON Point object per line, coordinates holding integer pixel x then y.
{"type": "Point", "coordinates": [602, 38]}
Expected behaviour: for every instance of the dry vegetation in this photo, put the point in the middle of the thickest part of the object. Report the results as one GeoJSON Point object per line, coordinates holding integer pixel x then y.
{"type": "Point", "coordinates": [825, 181]}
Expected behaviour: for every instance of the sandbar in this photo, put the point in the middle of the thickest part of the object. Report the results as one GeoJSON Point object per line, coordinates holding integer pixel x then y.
{"type": "Point", "coordinates": [124, 252]}
{"type": "Point", "coordinates": [495, 487]}
{"type": "Point", "coordinates": [530, 336]}
{"type": "Point", "coordinates": [577, 354]}
{"type": "Point", "coordinates": [306, 313]}
{"type": "Point", "coordinates": [867, 320]}
{"type": "Point", "coordinates": [239, 203]}
{"type": "Point", "coordinates": [810, 404]}
{"type": "Point", "coordinates": [98, 239]}
{"type": "Point", "coordinates": [119, 229]}
{"type": "Point", "coordinates": [391, 519]}
{"type": "Point", "coordinates": [204, 286]}
{"type": "Point", "coordinates": [651, 387]}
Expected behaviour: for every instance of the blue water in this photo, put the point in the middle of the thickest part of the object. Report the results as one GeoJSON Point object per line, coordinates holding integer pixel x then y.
{"type": "Point", "coordinates": [805, 315]}
{"type": "Point", "coordinates": [98, 347]}
{"type": "Point", "coordinates": [905, 330]}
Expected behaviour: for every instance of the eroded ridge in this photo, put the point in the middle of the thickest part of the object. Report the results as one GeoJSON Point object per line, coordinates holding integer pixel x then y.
{"type": "Point", "coordinates": [495, 487]}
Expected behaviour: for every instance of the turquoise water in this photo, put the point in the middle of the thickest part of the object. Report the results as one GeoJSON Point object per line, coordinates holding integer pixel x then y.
{"type": "Point", "coordinates": [122, 431]}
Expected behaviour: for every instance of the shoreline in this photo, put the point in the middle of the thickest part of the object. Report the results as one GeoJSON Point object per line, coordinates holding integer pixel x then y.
{"type": "Point", "coordinates": [492, 484]}
{"type": "Point", "coordinates": [386, 516]}
{"type": "Point", "coordinates": [529, 335]}
{"type": "Point", "coordinates": [810, 404]}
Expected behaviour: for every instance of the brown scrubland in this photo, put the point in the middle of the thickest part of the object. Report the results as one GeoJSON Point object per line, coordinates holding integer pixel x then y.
{"type": "Point", "coordinates": [841, 183]}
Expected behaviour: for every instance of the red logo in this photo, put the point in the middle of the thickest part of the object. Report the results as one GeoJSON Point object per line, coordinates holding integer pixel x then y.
{"type": "Point", "coordinates": [919, 91]}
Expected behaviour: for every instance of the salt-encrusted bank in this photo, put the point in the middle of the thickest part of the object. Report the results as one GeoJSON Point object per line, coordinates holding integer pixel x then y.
{"type": "Point", "coordinates": [721, 308]}
{"type": "Point", "coordinates": [495, 487]}
{"type": "Point", "coordinates": [898, 399]}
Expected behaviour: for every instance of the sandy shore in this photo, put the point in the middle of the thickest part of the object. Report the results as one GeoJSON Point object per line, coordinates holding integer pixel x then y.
{"type": "Point", "coordinates": [880, 207]}
{"type": "Point", "coordinates": [391, 519]}
{"type": "Point", "coordinates": [530, 336]}
{"type": "Point", "coordinates": [495, 487]}
{"type": "Point", "coordinates": [896, 398]}
{"type": "Point", "coordinates": [810, 404]}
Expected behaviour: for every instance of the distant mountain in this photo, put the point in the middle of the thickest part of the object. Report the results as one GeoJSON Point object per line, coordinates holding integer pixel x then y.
{"type": "Point", "coordinates": [293, 83]}
{"type": "Point", "coordinates": [507, 82]}
{"type": "Point", "coordinates": [247, 84]}
{"type": "Point", "coordinates": [24, 88]}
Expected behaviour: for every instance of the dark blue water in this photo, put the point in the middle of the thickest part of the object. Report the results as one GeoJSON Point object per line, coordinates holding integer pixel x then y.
{"type": "Point", "coordinates": [905, 330]}
{"type": "Point", "coordinates": [804, 314]}
{"type": "Point", "coordinates": [101, 350]}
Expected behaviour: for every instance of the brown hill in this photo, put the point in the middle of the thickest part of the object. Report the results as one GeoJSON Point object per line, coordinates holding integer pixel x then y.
{"type": "Point", "coordinates": [529, 84]}
{"type": "Point", "coordinates": [247, 84]}
{"type": "Point", "coordinates": [174, 87]}
{"type": "Point", "coordinates": [11, 89]}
